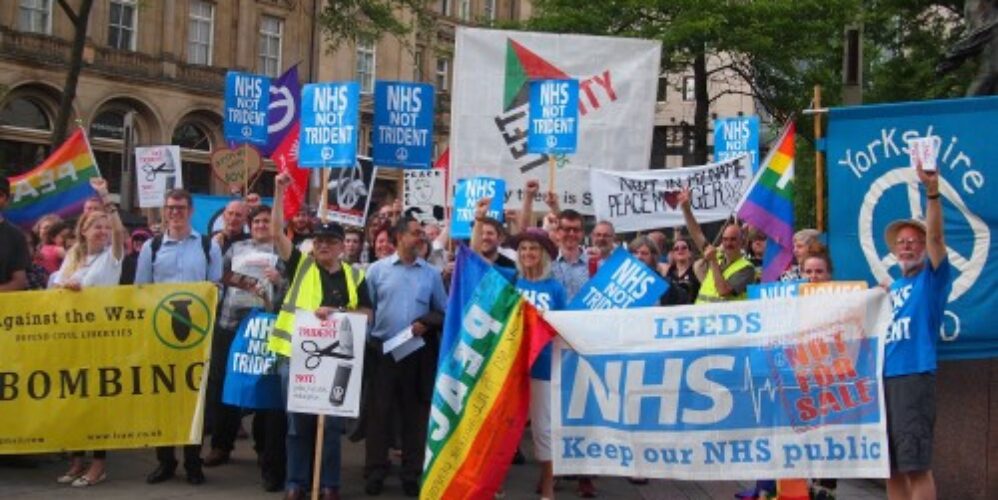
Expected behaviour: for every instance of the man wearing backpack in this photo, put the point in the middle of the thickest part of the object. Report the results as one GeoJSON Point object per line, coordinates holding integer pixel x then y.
{"type": "Point", "coordinates": [179, 255]}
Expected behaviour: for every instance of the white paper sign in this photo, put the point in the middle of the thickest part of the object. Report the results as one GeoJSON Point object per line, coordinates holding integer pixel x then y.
{"type": "Point", "coordinates": [423, 194]}
{"type": "Point", "coordinates": [636, 201]}
{"type": "Point", "coordinates": [924, 150]}
{"type": "Point", "coordinates": [157, 170]}
{"type": "Point", "coordinates": [617, 78]}
{"type": "Point", "coordinates": [327, 364]}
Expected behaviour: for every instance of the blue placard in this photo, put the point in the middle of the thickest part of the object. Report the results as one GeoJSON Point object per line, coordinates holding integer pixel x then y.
{"type": "Point", "coordinates": [251, 377]}
{"type": "Point", "coordinates": [774, 290]}
{"type": "Point", "coordinates": [622, 282]}
{"type": "Point", "coordinates": [247, 99]}
{"type": "Point", "coordinates": [737, 136]}
{"type": "Point", "coordinates": [554, 116]}
{"type": "Point", "coordinates": [403, 124]}
{"type": "Point", "coordinates": [871, 183]}
{"type": "Point", "coordinates": [467, 194]}
{"type": "Point", "coordinates": [330, 116]}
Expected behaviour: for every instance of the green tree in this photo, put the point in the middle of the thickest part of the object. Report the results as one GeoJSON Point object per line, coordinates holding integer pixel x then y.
{"type": "Point", "coordinates": [777, 49]}
{"type": "Point", "coordinates": [368, 20]}
{"type": "Point", "coordinates": [905, 40]}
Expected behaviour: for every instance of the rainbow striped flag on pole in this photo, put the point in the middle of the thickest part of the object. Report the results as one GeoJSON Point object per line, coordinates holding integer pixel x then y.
{"type": "Point", "coordinates": [768, 204]}
{"type": "Point", "coordinates": [482, 391]}
{"type": "Point", "coordinates": [60, 185]}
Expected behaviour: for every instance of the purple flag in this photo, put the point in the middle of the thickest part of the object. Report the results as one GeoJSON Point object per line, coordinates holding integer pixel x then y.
{"type": "Point", "coordinates": [285, 96]}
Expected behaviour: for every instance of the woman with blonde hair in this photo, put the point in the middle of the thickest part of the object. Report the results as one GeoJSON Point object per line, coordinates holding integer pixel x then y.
{"type": "Point", "coordinates": [94, 260]}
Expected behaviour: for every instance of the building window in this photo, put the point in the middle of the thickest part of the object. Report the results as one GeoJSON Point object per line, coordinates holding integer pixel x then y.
{"type": "Point", "coordinates": [464, 10]}
{"type": "Point", "coordinates": [191, 136]}
{"type": "Point", "coordinates": [121, 25]}
{"type": "Point", "coordinates": [489, 10]}
{"type": "Point", "coordinates": [271, 29]}
{"type": "Point", "coordinates": [689, 93]}
{"type": "Point", "coordinates": [108, 125]}
{"type": "Point", "coordinates": [200, 34]}
{"type": "Point", "coordinates": [35, 16]}
{"type": "Point", "coordinates": [24, 113]}
{"type": "Point", "coordinates": [196, 171]}
{"type": "Point", "coordinates": [445, 7]}
{"type": "Point", "coordinates": [663, 89]}
{"type": "Point", "coordinates": [441, 76]}
{"type": "Point", "coordinates": [365, 66]}
{"type": "Point", "coordinates": [417, 65]}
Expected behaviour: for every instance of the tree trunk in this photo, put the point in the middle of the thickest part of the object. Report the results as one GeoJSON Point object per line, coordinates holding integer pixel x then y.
{"type": "Point", "coordinates": [700, 112]}
{"type": "Point", "coordinates": [80, 20]}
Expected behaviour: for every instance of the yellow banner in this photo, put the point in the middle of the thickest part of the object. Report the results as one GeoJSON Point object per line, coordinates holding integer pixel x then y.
{"type": "Point", "coordinates": [104, 368]}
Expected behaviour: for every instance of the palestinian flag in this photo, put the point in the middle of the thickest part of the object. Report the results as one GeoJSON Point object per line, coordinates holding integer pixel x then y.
{"type": "Point", "coordinates": [482, 391]}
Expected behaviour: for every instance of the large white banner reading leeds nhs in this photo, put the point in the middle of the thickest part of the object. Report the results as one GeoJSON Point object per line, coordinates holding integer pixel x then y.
{"type": "Point", "coordinates": [492, 74]}
{"type": "Point", "coordinates": [745, 390]}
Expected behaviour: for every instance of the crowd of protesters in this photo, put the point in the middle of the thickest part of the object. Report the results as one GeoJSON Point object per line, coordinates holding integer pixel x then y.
{"type": "Point", "coordinates": [396, 270]}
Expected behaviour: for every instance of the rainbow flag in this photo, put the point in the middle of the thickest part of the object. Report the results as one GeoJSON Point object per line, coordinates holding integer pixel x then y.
{"type": "Point", "coordinates": [60, 185]}
{"type": "Point", "coordinates": [482, 391]}
{"type": "Point", "coordinates": [769, 204]}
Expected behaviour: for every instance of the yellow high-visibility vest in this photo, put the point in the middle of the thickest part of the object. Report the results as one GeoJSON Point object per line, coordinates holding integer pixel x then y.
{"type": "Point", "coordinates": [306, 293]}
{"type": "Point", "coordinates": [708, 292]}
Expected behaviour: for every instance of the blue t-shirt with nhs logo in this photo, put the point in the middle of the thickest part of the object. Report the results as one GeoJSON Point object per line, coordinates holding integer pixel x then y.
{"type": "Point", "coordinates": [919, 304]}
{"type": "Point", "coordinates": [545, 295]}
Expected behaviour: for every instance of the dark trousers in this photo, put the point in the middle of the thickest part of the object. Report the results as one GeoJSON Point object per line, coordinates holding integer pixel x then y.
{"type": "Point", "coordinates": [192, 456]}
{"type": "Point", "coordinates": [98, 454]}
{"type": "Point", "coordinates": [223, 419]}
{"type": "Point", "coordinates": [269, 430]}
{"type": "Point", "coordinates": [399, 389]}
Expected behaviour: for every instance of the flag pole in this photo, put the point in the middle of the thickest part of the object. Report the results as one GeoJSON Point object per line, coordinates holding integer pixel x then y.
{"type": "Point", "coordinates": [819, 163]}
{"type": "Point", "coordinates": [320, 421]}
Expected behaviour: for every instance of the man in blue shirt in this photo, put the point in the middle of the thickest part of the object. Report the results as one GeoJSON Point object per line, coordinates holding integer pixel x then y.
{"type": "Point", "coordinates": [180, 258]}
{"type": "Point", "coordinates": [919, 300]}
{"type": "Point", "coordinates": [406, 292]}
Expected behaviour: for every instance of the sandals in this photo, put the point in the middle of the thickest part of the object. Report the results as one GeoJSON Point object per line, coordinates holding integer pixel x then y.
{"type": "Point", "coordinates": [69, 477]}
{"type": "Point", "coordinates": [84, 481]}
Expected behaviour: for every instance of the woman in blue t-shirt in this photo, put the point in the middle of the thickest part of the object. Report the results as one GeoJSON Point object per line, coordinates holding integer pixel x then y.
{"type": "Point", "coordinates": [533, 279]}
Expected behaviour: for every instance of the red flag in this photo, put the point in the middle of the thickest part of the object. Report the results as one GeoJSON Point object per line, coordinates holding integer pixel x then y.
{"type": "Point", "coordinates": [285, 157]}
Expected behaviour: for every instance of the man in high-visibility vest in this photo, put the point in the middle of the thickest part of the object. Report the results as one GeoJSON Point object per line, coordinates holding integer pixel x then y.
{"type": "Point", "coordinates": [320, 282]}
{"type": "Point", "coordinates": [726, 274]}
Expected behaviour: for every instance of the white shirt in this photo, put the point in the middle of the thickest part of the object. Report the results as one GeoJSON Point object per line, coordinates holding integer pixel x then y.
{"type": "Point", "coordinates": [96, 270]}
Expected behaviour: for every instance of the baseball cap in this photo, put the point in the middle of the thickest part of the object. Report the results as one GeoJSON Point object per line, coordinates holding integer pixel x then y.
{"type": "Point", "coordinates": [328, 230]}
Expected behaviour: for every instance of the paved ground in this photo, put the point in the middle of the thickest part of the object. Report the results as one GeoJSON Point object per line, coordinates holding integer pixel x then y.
{"type": "Point", "coordinates": [240, 479]}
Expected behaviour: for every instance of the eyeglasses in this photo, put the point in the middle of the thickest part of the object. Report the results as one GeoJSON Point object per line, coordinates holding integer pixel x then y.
{"type": "Point", "coordinates": [568, 229]}
{"type": "Point", "coordinates": [680, 247]}
{"type": "Point", "coordinates": [908, 241]}
{"type": "Point", "coordinates": [175, 208]}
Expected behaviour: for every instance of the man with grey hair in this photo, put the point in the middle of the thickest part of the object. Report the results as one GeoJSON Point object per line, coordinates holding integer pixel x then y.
{"type": "Point", "coordinates": [919, 300]}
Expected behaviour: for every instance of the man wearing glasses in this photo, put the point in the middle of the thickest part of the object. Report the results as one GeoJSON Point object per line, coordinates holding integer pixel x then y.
{"type": "Point", "coordinates": [728, 273]}
{"type": "Point", "coordinates": [180, 255]}
{"type": "Point", "coordinates": [919, 299]}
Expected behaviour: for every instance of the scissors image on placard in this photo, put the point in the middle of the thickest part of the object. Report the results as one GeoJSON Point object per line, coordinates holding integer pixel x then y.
{"type": "Point", "coordinates": [164, 168]}
{"type": "Point", "coordinates": [315, 354]}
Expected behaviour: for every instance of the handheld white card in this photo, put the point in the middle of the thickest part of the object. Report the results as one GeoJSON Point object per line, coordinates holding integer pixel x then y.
{"type": "Point", "coordinates": [403, 344]}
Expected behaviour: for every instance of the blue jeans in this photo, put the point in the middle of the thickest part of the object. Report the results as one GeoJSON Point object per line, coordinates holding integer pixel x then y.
{"type": "Point", "coordinates": [301, 446]}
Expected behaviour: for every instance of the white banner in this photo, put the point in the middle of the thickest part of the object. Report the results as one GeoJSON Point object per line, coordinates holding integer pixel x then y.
{"type": "Point", "coordinates": [157, 170]}
{"type": "Point", "coordinates": [733, 391]}
{"type": "Point", "coordinates": [617, 77]}
{"type": "Point", "coordinates": [636, 201]}
{"type": "Point", "coordinates": [327, 364]}
{"type": "Point", "coordinates": [424, 194]}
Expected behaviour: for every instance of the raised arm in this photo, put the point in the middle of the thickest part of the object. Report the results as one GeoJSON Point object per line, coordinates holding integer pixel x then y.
{"type": "Point", "coordinates": [530, 190]}
{"type": "Point", "coordinates": [935, 244]}
{"type": "Point", "coordinates": [696, 233]}
{"type": "Point", "coordinates": [282, 243]}
{"type": "Point", "coordinates": [481, 208]}
{"type": "Point", "coordinates": [118, 233]}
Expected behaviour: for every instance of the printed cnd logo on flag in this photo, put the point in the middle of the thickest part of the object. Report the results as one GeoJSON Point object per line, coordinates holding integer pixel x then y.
{"type": "Point", "coordinates": [872, 183]}
{"type": "Point", "coordinates": [182, 320]}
